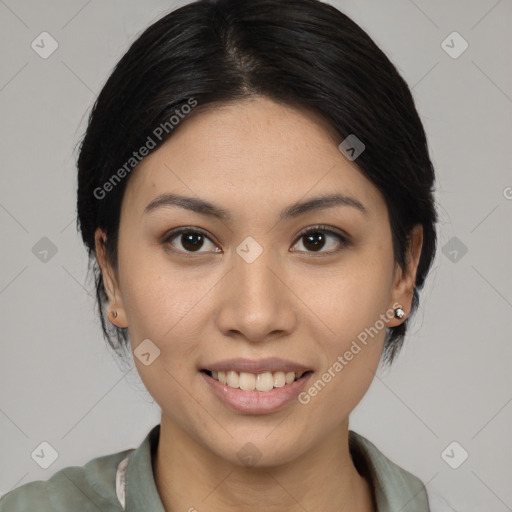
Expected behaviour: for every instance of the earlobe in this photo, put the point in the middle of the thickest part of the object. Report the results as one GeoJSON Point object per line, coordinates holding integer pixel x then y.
{"type": "Point", "coordinates": [115, 311]}
{"type": "Point", "coordinates": [112, 315]}
{"type": "Point", "coordinates": [406, 278]}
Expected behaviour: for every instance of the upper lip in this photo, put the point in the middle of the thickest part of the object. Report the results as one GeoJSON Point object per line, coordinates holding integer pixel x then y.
{"type": "Point", "coordinates": [269, 364]}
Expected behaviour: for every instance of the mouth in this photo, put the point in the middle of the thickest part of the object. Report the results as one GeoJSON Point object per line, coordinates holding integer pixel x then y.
{"type": "Point", "coordinates": [262, 382]}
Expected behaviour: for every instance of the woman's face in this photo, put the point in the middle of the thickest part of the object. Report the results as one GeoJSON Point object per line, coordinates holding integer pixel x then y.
{"type": "Point", "coordinates": [251, 286]}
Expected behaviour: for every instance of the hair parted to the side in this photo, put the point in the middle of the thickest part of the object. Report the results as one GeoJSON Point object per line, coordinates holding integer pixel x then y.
{"type": "Point", "coordinates": [304, 53]}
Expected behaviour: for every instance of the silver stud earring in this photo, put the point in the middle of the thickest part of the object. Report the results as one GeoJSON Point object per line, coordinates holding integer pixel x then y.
{"type": "Point", "coordinates": [114, 313]}
{"type": "Point", "coordinates": [399, 313]}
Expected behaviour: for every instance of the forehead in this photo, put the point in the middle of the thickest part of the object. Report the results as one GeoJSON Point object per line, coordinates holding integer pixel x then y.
{"type": "Point", "coordinates": [251, 154]}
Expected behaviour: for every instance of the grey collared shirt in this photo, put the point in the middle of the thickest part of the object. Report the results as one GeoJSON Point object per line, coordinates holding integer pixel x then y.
{"type": "Point", "coordinates": [125, 481]}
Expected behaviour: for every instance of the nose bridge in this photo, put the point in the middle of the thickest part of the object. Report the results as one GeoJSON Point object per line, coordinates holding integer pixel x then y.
{"type": "Point", "coordinates": [253, 272]}
{"type": "Point", "coordinates": [256, 301]}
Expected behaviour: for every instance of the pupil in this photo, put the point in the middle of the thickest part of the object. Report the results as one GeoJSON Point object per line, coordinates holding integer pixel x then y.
{"type": "Point", "coordinates": [194, 241]}
{"type": "Point", "coordinates": [189, 241]}
{"type": "Point", "coordinates": [317, 240]}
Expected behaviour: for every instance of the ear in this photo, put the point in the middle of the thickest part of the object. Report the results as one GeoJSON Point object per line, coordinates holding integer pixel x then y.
{"type": "Point", "coordinates": [405, 279]}
{"type": "Point", "coordinates": [110, 281]}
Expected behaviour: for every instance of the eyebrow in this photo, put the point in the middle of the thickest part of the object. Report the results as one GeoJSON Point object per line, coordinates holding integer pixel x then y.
{"type": "Point", "coordinates": [294, 210]}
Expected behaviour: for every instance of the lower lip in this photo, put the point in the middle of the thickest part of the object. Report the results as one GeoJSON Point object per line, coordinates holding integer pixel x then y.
{"type": "Point", "coordinates": [257, 402]}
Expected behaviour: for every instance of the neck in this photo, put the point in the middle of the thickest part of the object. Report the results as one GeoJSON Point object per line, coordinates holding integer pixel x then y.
{"type": "Point", "coordinates": [190, 477]}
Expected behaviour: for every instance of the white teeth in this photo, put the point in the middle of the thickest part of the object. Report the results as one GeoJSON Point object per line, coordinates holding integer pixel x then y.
{"type": "Point", "coordinates": [279, 379]}
{"type": "Point", "coordinates": [233, 379]}
{"type": "Point", "coordinates": [261, 382]}
{"type": "Point", "coordinates": [247, 381]}
{"type": "Point", "coordinates": [264, 381]}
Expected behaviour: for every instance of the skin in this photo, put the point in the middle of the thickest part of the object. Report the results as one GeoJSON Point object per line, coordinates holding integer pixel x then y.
{"type": "Point", "coordinates": [253, 158]}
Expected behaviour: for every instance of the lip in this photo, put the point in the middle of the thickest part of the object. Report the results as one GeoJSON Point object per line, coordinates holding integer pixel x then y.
{"type": "Point", "coordinates": [269, 364]}
{"type": "Point", "coordinates": [256, 402]}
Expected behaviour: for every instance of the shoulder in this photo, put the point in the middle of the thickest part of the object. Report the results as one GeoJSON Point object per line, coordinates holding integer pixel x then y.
{"type": "Point", "coordinates": [86, 488]}
{"type": "Point", "coordinates": [383, 470]}
{"type": "Point", "coordinates": [394, 487]}
{"type": "Point", "coordinates": [438, 503]}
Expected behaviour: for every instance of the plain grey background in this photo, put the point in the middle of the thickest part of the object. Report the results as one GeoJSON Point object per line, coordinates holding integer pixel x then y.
{"type": "Point", "coordinates": [452, 382]}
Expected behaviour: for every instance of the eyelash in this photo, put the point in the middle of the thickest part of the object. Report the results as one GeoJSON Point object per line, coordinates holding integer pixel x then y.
{"type": "Point", "coordinates": [343, 239]}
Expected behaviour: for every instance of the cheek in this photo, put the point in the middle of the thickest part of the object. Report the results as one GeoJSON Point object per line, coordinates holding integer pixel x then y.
{"type": "Point", "coordinates": [353, 296]}
{"type": "Point", "coordinates": [158, 298]}
{"type": "Point", "coordinates": [352, 307]}
{"type": "Point", "coordinates": [162, 304]}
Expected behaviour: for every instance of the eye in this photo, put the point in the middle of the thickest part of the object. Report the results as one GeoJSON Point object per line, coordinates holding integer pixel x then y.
{"type": "Point", "coordinates": [190, 239]}
{"type": "Point", "coordinates": [316, 238]}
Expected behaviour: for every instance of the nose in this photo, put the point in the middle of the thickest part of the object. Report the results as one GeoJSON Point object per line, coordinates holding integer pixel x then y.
{"type": "Point", "coordinates": [256, 301]}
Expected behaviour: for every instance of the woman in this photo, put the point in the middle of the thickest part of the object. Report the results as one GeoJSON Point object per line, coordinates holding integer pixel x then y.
{"type": "Point", "coordinates": [256, 196]}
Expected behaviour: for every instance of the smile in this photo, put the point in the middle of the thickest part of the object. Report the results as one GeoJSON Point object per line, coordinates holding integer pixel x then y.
{"type": "Point", "coordinates": [256, 393]}
{"type": "Point", "coordinates": [265, 381]}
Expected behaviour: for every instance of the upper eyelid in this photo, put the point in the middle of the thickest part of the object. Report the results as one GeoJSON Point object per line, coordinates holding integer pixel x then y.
{"type": "Point", "coordinates": [186, 229]}
{"type": "Point", "coordinates": [324, 228]}
{"type": "Point", "coordinates": [344, 238]}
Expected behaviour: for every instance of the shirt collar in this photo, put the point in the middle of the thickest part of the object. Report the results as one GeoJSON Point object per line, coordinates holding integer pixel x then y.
{"type": "Point", "coordinates": [141, 490]}
{"type": "Point", "coordinates": [393, 488]}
